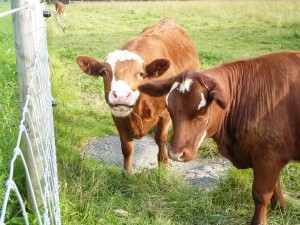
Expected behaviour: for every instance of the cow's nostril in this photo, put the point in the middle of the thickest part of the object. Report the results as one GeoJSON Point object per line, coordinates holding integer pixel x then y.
{"type": "Point", "coordinates": [115, 94]}
{"type": "Point", "coordinates": [128, 95]}
{"type": "Point", "coordinates": [181, 158]}
{"type": "Point", "coordinates": [176, 156]}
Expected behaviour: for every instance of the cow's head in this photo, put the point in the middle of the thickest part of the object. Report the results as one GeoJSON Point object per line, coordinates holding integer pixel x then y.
{"type": "Point", "coordinates": [122, 72]}
{"type": "Point", "coordinates": [189, 99]}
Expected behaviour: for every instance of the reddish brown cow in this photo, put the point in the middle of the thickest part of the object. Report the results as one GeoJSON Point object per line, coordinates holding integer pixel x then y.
{"type": "Point", "coordinates": [163, 49]}
{"type": "Point", "coordinates": [60, 8]}
{"type": "Point", "coordinates": [251, 108]}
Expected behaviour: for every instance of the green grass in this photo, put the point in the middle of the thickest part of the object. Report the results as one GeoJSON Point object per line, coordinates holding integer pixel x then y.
{"type": "Point", "coordinates": [9, 108]}
{"type": "Point", "coordinates": [92, 191]}
{"type": "Point", "coordinates": [9, 87]}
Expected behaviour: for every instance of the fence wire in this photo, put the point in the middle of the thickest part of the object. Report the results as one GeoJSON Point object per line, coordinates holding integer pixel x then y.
{"type": "Point", "coordinates": [35, 145]}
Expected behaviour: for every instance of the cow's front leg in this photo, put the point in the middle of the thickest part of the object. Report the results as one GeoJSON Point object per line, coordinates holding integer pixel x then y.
{"type": "Point", "coordinates": [161, 138]}
{"type": "Point", "coordinates": [277, 197]}
{"type": "Point", "coordinates": [127, 144]}
{"type": "Point", "coordinates": [127, 147]}
{"type": "Point", "coordinates": [266, 174]}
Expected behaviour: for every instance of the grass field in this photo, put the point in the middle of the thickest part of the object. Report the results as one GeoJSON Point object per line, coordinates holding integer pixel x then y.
{"type": "Point", "coordinates": [92, 193]}
{"type": "Point", "coordinates": [9, 107]}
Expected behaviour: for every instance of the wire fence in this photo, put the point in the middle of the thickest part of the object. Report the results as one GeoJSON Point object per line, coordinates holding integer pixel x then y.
{"type": "Point", "coordinates": [35, 144]}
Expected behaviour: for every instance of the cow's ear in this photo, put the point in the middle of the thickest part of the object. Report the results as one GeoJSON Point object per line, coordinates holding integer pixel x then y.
{"type": "Point", "coordinates": [216, 90]}
{"type": "Point", "coordinates": [156, 88]}
{"type": "Point", "coordinates": [218, 94]}
{"type": "Point", "coordinates": [157, 67]}
{"type": "Point", "coordinates": [91, 66]}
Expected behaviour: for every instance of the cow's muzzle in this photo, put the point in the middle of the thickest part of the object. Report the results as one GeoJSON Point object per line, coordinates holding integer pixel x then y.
{"type": "Point", "coordinates": [121, 102]}
{"type": "Point", "coordinates": [121, 107]}
{"type": "Point", "coordinates": [120, 110]}
{"type": "Point", "coordinates": [183, 155]}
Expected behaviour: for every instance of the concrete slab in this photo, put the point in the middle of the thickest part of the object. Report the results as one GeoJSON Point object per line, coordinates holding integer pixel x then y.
{"type": "Point", "coordinates": [198, 172]}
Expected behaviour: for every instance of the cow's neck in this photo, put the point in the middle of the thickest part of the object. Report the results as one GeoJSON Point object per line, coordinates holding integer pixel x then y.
{"type": "Point", "coordinates": [217, 115]}
{"type": "Point", "coordinates": [144, 115]}
{"type": "Point", "coordinates": [228, 123]}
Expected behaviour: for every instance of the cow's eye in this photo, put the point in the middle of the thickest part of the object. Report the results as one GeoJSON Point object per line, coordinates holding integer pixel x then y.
{"type": "Point", "coordinates": [102, 72]}
{"type": "Point", "coordinates": [142, 75]}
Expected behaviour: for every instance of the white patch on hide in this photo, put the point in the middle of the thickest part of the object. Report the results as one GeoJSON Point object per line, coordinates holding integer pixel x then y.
{"type": "Point", "coordinates": [202, 102]}
{"type": "Point", "coordinates": [120, 86]}
{"type": "Point", "coordinates": [122, 98]}
{"type": "Point", "coordinates": [185, 85]}
{"type": "Point", "coordinates": [202, 139]}
{"type": "Point", "coordinates": [120, 56]}
{"type": "Point", "coordinates": [172, 88]}
{"type": "Point", "coordinates": [121, 113]}
{"type": "Point", "coordinates": [122, 90]}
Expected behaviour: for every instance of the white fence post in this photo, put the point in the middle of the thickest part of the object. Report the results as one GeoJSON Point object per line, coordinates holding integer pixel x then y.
{"type": "Point", "coordinates": [28, 25]}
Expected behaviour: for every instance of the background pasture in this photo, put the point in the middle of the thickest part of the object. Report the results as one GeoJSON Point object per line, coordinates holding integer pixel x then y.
{"type": "Point", "coordinates": [93, 193]}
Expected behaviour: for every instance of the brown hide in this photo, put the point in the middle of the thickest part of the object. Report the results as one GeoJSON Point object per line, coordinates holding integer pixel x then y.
{"type": "Point", "coordinates": [251, 108]}
{"type": "Point", "coordinates": [160, 51]}
{"type": "Point", "coordinates": [60, 8]}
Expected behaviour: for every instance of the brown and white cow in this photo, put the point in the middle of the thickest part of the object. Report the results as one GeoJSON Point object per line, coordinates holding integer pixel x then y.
{"type": "Point", "coordinates": [163, 49]}
{"type": "Point", "coordinates": [251, 108]}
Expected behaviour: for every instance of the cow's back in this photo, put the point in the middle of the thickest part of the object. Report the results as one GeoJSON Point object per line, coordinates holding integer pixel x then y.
{"type": "Point", "coordinates": [166, 39]}
{"type": "Point", "coordinates": [264, 103]}
{"type": "Point", "coordinates": [274, 86]}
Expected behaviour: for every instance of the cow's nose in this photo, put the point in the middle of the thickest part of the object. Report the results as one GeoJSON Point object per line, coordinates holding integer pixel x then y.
{"type": "Point", "coordinates": [182, 155]}
{"type": "Point", "coordinates": [121, 94]}
{"type": "Point", "coordinates": [176, 156]}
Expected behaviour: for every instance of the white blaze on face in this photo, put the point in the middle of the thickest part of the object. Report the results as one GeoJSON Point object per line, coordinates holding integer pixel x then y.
{"type": "Point", "coordinates": [202, 139]}
{"type": "Point", "coordinates": [185, 85]}
{"type": "Point", "coordinates": [121, 56]}
{"type": "Point", "coordinates": [121, 97]}
{"type": "Point", "coordinates": [202, 102]}
{"type": "Point", "coordinates": [175, 84]}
